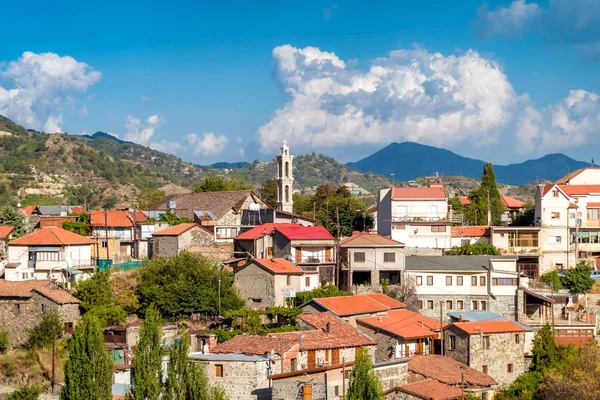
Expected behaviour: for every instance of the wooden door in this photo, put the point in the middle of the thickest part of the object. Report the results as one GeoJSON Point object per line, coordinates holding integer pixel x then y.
{"type": "Point", "coordinates": [420, 347]}
{"type": "Point", "coordinates": [312, 355]}
{"type": "Point", "coordinates": [307, 392]}
{"type": "Point", "coordinates": [335, 356]}
{"type": "Point", "coordinates": [328, 254]}
{"type": "Point", "coordinates": [298, 254]}
{"type": "Point", "coordinates": [406, 350]}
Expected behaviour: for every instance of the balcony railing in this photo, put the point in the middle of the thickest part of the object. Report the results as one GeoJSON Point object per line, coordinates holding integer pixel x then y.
{"type": "Point", "coordinates": [314, 260]}
{"type": "Point", "coordinates": [408, 218]}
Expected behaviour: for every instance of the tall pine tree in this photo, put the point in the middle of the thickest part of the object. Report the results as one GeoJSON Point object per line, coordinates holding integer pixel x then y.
{"type": "Point", "coordinates": [364, 384]}
{"type": "Point", "coordinates": [477, 211]}
{"type": "Point", "coordinates": [147, 364]}
{"type": "Point", "coordinates": [88, 371]}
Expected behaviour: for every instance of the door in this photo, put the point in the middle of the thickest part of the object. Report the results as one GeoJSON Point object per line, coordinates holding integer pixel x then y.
{"type": "Point", "coordinates": [420, 347]}
{"type": "Point", "coordinates": [335, 356]}
{"type": "Point", "coordinates": [312, 355]}
{"type": "Point", "coordinates": [32, 259]}
{"type": "Point", "coordinates": [307, 392]}
{"type": "Point", "coordinates": [328, 255]}
{"type": "Point", "coordinates": [298, 255]}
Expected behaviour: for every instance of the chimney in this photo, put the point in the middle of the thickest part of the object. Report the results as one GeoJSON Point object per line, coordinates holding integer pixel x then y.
{"type": "Point", "coordinates": [380, 318]}
{"type": "Point", "coordinates": [211, 342]}
{"type": "Point", "coordinates": [328, 327]}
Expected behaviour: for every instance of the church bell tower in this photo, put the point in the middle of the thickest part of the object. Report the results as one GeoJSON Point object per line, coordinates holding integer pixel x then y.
{"type": "Point", "coordinates": [285, 179]}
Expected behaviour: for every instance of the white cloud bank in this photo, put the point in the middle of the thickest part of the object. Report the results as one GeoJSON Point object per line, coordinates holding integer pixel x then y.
{"type": "Point", "coordinates": [418, 96]}
{"type": "Point", "coordinates": [209, 144]}
{"type": "Point", "coordinates": [35, 84]}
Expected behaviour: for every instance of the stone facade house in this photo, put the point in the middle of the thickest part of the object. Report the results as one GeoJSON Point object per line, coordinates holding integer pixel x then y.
{"type": "Point", "coordinates": [350, 308]}
{"type": "Point", "coordinates": [22, 305]}
{"type": "Point", "coordinates": [267, 282]}
{"type": "Point", "coordinates": [49, 253]}
{"type": "Point", "coordinates": [366, 259]}
{"type": "Point", "coordinates": [190, 237]}
{"type": "Point", "coordinates": [465, 283]}
{"type": "Point", "coordinates": [401, 333]}
{"type": "Point", "coordinates": [427, 389]}
{"type": "Point", "coordinates": [496, 348]}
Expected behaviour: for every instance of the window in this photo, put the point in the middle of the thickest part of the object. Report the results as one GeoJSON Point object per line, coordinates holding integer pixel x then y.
{"type": "Point", "coordinates": [555, 193]}
{"type": "Point", "coordinates": [420, 304]}
{"type": "Point", "coordinates": [448, 281]}
{"type": "Point", "coordinates": [483, 306]}
{"type": "Point", "coordinates": [307, 281]}
{"type": "Point", "coordinates": [482, 280]}
{"type": "Point", "coordinates": [430, 304]}
{"type": "Point", "coordinates": [485, 342]}
{"type": "Point", "coordinates": [257, 300]}
{"type": "Point", "coordinates": [335, 356]}
{"type": "Point", "coordinates": [460, 305]}
{"type": "Point", "coordinates": [68, 328]}
{"type": "Point", "coordinates": [336, 390]}
{"type": "Point", "coordinates": [592, 213]}
{"type": "Point", "coordinates": [555, 215]}
{"type": "Point", "coordinates": [104, 244]}
{"type": "Point", "coordinates": [452, 342]}
{"type": "Point", "coordinates": [504, 281]}
{"type": "Point", "coordinates": [294, 364]}
{"type": "Point", "coordinates": [473, 281]}
{"type": "Point", "coordinates": [359, 257]}
{"type": "Point", "coordinates": [459, 280]}
{"type": "Point", "coordinates": [430, 280]}
{"type": "Point", "coordinates": [289, 280]}
{"type": "Point", "coordinates": [484, 369]}
{"type": "Point", "coordinates": [226, 233]}
{"type": "Point", "coordinates": [419, 281]}
{"type": "Point", "coordinates": [48, 256]}
{"type": "Point", "coordinates": [449, 304]}
{"type": "Point", "coordinates": [509, 368]}
{"type": "Point", "coordinates": [43, 308]}
{"type": "Point", "coordinates": [572, 216]}
{"type": "Point", "coordinates": [474, 305]}
{"type": "Point", "coordinates": [389, 257]}
{"type": "Point", "coordinates": [517, 338]}
{"type": "Point", "coordinates": [219, 370]}
{"type": "Point", "coordinates": [554, 239]}
{"type": "Point", "coordinates": [438, 228]}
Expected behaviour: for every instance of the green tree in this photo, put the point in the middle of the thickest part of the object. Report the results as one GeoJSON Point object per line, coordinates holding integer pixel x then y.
{"type": "Point", "coordinates": [186, 284]}
{"type": "Point", "coordinates": [218, 184]}
{"type": "Point", "coordinates": [147, 364]}
{"type": "Point", "coordinates": [81, 226]}
{"type": "Point", "coordinates": [149, 197]}
{"type": "Point", "coordinates": [25, 393]}
{"type": "Point", "coordinates": [578, 279]}
{"type": "Point", "coordinates": [172, 219]}
{"type": "Point", "coordinates": [525, 216]}
{"type": "Point", "coordinates": [97, 298]}
{"type": "Point", "coordinates": [487, 191]}
{"type": "Point", "coordinates": [303, 204]}
{"type": "Point", "coordinates": [325, 290]}
{"type": "Point", "coordinates": [364, 384]}
{"type": "Point", "coordinates": [51, 326]}
{"type": "Point", "coordinates": [546, 353]}
{"type": "Point", "coordinates": [10, 216]}
{"type": "Point", "coordinates": [476, 249]}
{"type": "Point", "coordinates": [128, 301]}
{"type": "Point", "coordinates": [552, 279]}
{"type": "Point", "coordinates": [268, 192]}
{"type": "Point", "coordinates": [177, 369]}
{"type": "Point", "coordinates": [88, 371]}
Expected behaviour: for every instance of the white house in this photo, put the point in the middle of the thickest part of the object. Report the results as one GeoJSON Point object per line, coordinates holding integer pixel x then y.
{"type": "Point", "coordinates": [415, 216]}
{"type": "Point", "coordinates": [49, 253]}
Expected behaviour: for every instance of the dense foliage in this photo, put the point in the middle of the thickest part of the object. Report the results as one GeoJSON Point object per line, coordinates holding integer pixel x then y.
{"type": "Point", "coordinates": [25, 393]}
{"type": "Point", "coordinates": [325, 290]}
{"type": "Point", "coordinates": [172, 219]}
{"type": "Point", "coordinates": [364, 383]}
{"type": "Point", "coordinates": [214, 183]}
{"type": "Point", "coordinates": [553, 280]}
{"type": "Point", "coordinates": [186, 284]}
{"type": "Point", "coordinates": [88, 371]}
{"type": "Point", "coordinates": [578, 279]}
{"type": "Point", "coordinates": [475, 249]}
{"type": "Point", "coordinates": [268, 192]}
{"type": "Point", "coordinates": [97, 298]}
{"type": "Point", "coordinates": [81, 226]}
{"type": "Point", "coordinates": [146, 381]}
{"type": "Point", "coordinates": [50, 328]}
{"type": "Point", "coordinates": [10, 216]}
{"type": "Point", "coordinates": [4, 342]}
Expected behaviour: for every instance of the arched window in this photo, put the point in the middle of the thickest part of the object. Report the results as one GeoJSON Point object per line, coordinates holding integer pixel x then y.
{"type": "Point", "coordinates": [280, 194]}
{"type": "Point", "coordinates": [287, 194]}
{"type": "Point", "coordinates": [287, 169]}
{"type": "Point", "coordinates": [279, 170]}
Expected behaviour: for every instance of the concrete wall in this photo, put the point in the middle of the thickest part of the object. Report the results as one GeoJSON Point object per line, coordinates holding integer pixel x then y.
{"type": "Point", "coordinates": [384, 212]}
{"type": "Point", "coordinates": [503, 305]}
{"type": "Point", "coordinates": [421, 235]}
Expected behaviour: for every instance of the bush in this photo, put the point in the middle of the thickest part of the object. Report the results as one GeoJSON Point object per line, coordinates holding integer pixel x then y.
{"type": "Point", "coordinates": [578, 279]}
{"type": "Point", "coordinates": [553, 280]}
{"type": "Point", "coordinates": [25, 393]}
{"type": "Point", "coordinates": [326, 290]}
{"type": "Point", "coordinates": [50, 326]}
{"type": "Point", "coordinates": [4, 343]}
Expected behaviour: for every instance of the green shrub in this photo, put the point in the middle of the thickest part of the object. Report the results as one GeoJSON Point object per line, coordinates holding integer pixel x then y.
{"type": "Point", "coordinates": [4, 343]}
{"type": "Point", "coordinates": [25, 393]}
{"type": "Point", "coordinates": [553, 280]}
{"type": "Point", "coordinates": [50, 326]}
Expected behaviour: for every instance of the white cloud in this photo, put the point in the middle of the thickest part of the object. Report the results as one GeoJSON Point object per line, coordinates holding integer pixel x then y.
{"type": "Point", "coordinates": [53, 124]}
{"type": "Point", "coordinates": [144, 98]}
{"type": "Point", "coordinates": [141, 133]}
{"type": "Point", "coordinates": [242, 153]}
{"type": "Point", "coordinates": [35, 84]}
{"type": "Point", "coordinates": [511, 21]}
{"type": "Point", "coordinates": [209, 145]}
{"type": "Point", "coordinates": [165, 146]}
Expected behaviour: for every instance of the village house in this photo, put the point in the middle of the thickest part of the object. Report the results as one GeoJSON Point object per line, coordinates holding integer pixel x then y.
{"type": "Point", "coordinates": [465, 283]}
{"type": "Point", "coordinates": [367, 259]}
{"type": "Point", "coordinates": [462, 235]}
{"type": "Point", "coordinates": [350, 308]}
{"type": "Point", "coordinates": [522, 242]}
{"type": "Point", "coordinates": [49, 253]}
{"type": "Point", "coordinates": [22, 305]}
{"type": "Point", "coordinates": [123, 225]}
{"type": "Point", "coordinates": [6, 234]}
{"type": "Point", "coordinates": [511, 206]}
{"type": "Point", "coordinates": [190, 237]}
{"type": "Point", "coordinates": [496, 348]}
{"type": "Point", "coordinates": [415, 216]}
{"type": "Point", "coordinates": [401, 333]}
{"type": "Point", "coordinates": [267, 282]}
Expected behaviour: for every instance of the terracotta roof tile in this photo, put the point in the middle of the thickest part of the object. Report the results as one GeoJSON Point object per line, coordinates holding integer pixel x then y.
{"type": "Point", "coordinates": [485, 327]}
{"type": "Point", "coordinates": [278, 266]}
{"type": "Point", "coordinates": [418, 193]}
{"type": "Point", "coordinates": [50, 236]}
{"type": "Point", "coordinates": [5, 231]}
{"type": "Point", "coordinates": [259, 231]}
{"type": "Point", "coordinates": [28, 210]}
{"type": "Point", "coordinates": [430, 389]}
{"type": "Point", "coordinates": [471, 231]}
{"type": "Point", "coordinates": [404, 323]}
{"type": "Point", "coordinates": [573, 190]}
{"type": "Point", "coordinates": [358, 304]}
{"type": "Point", "coordinates": [509, 202]}
{"type": "Point", "coordinates": [464, 200]}
{"type": "Point", "coordinates": [117, 218]}
{"type": "Point", "coordinates": [593, 205]}
{"type": "Point", "coordinates": [577, 341]}
{"type": "Point", "coordinates": [299, 232]}
{"type": "Point", "coordinates": [367, 239]}
{"type": "Point", "coordinates": [25, 289]}
{"type": "Point", "coordinates": [176, 230]}
{"type": "Point", "coordinates": [448, 371]}
{"type": "Point", "coordinates": [55, 221]}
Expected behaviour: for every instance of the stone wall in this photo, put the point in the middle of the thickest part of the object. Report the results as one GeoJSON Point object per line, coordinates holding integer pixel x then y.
{"type": "Point", "coordinates": [386, 345]}
{"type": "Point", "coordinates": [242, 380]}
{"type": "Point", "coordinates": [165, 246]}
{"type": "Point", "coordinates": [461, 351]}
{"type": "Point", "coordinates": [252, 282]}
{"type": "Point", "coordinates": [199, 241]}
{"type": "Point", "coordinates": [18, 315]}
{"type": "Point", "coordinates": [503, 351]}
{"type": "Point", "coordinates": [392, 375]}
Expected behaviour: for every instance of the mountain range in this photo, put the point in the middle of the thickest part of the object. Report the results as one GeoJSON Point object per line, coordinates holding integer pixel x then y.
{"type": "Point", "coordinates": [408, 161]}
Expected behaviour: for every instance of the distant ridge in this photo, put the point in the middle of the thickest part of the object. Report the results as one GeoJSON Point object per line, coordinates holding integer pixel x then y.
{"type": "Point", "coordinates": [409, 160]}
{"type": "Point", "coordinates": [104, 135]}
{"type": "Point", "coordinates": [227, 165]}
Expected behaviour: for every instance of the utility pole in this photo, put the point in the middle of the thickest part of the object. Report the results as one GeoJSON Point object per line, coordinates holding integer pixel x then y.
{"type": "Point", "coordinates": [489, 209]}
{"type": "Point", "coordinates": [106, 236]}
{"type": "Point", "coordinates": [441, 325]}
{"type": "Point", "coordinates": [53, 358]}
{"type": "Point", "coordinates": [327, 215]}
{"type": "Point", "coordinates": [462, 384]}
{"type": "Point", "coordinates": [135, 252]}
{"type": "Point", "coordinates": [337, 246]}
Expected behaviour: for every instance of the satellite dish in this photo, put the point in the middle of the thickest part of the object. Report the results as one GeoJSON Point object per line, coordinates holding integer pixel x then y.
{"type": "Point", "coordinates": [19, 205]}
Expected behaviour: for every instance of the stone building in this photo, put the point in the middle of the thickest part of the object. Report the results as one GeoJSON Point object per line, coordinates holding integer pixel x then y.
{"type": "Point", "coordinates": [267, 282]}
{"type": "Point", "coordinates": [496, 348]}
{"type": "Point", "coordinates": [22, 305]}
{"type": "Point", "coordinates": [191, 237]}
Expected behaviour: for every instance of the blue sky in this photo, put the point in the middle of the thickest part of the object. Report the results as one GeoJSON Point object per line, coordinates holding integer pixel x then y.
{"type": "Point", "coordinates": [225, 81]}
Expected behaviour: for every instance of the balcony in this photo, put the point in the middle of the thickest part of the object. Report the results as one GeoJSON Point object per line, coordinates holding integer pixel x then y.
{"type": "Point", "coordinates": [407, 218]}
{"type": "Point", "coordinates": [314, 260]}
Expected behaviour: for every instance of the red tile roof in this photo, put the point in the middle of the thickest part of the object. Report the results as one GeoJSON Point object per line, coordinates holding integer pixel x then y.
{"type": "Point", "coordinates": [359, 304]}
{"type": "Point", "coordinates": [25, 289]}
{"type": "Point", "coordinates": [277, 266]}
{"type": "Point", "coordinates": [28, 210]}
{"type": "Point", "coordinates": [176, 230]}
{"type": "Point", "coordinates": [449, 371]}
{"type": "Point", "coordinates": [77, 209]}
{"type": "Point", "coordinates": [367, 239]}
{"type": "Point", "coordinates": [418, 193]}
{"type": "Point", "coordinates": [55, 221]}
{"type": "Point", "coordinates": [573, 190]}
{"type": "Point", "coordinates": [593, 205]}
{"type": "Point", "coordinates": [430, 389]}
{"type": "Point", "coordinates": [471, 231]}
{"type": "Point", "coordinates": [50, 236]}
{"type": "Point", "coordinates": [5, 231]}
{"type": "Point", "coordinates": [299, 232]}
{"type": "Point", "coordinates": [259, 231]}
{"type": "Point", "coordinates": [509, 202]}
{"type": "Point", "coordinates": [117, 218]}
{"type": "Point", "coordinates": [485, 327]}
{"type": "Point", "coordinates": [464, 200]}
{"type": "Point", "coordinates": [337, 326]}
{"type": "Point", "coordinates": [404, 323]}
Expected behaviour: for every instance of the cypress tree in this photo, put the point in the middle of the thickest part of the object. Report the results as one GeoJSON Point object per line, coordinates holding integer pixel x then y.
{"type": "Point", "coordinates": [364, 384]}
{"type": "Point", "coordinates": [477, 212]}
{"type": "Point", "coordinates": [88, 371]}
{"type": "Point", "coordinates": [147, 364]}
